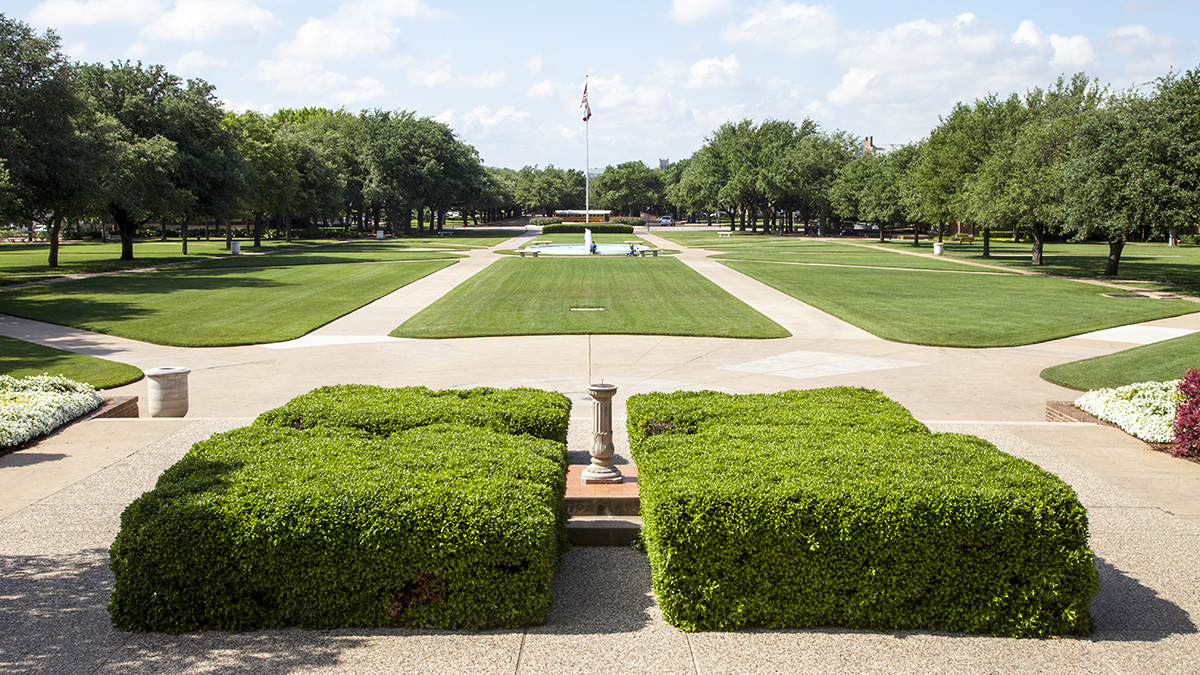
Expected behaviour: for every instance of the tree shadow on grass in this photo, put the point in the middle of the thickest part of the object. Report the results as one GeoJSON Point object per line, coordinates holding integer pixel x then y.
{"type": "Point", "coordinates": [81, 302]}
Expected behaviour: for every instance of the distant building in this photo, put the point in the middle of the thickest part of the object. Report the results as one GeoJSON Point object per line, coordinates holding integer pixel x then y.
{"type": "Point", "coordinates": [663, 164]}
{"type": "Point", "coordinates": [869, 147]}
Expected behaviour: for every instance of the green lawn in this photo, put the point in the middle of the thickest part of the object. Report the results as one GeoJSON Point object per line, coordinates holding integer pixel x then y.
{"type": "Point", "coordinates": [1158, 362]}
{"type": "Point", "coordinates": [1176, 268]}
{"type": "Point", "coordinates": [350, 252]}
{"type": "Point", "coordinates": [840, 254]}
{"type": "Point", "coordinates": [213, 307]}
{"type": "Point", "coordinates": [21, 359]}
{"type": "Point", "coordinates": [960, 310]}
{"type": "Point", "coordinates": [640, 296]}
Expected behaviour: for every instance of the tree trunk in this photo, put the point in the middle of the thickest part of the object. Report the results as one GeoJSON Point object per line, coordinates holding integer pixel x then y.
{"type": "Point", "coordinates": [916, 234]}
{"type": "Point", "coordinates": [183, 234]}
{"type": "Point", "coordinates": [881, 233]}
{"type": "Point", "coordinates": [1039, 237]}
{"type": "Point", "coordinates": [128, 227]}
{"type": "Point", "coordinates": [287, 227]}
{"type": "Point", "coordinates": [987, 242]}
{"type": "Point", "coordinates": [1114, 257]}
{"type": "Point", "coordinates": [162, 229]}
{"type": "Point", "coordinates": [52, 231]}
{"type": "Point", "coordinates": [941, 227]}
{"type": "Point", "coordinates": [228, 235]}
{"type": "Point", "coordinates": [258, 231]}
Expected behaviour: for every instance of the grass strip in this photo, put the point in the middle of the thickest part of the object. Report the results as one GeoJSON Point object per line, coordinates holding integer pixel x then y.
{"type": "Point", "coordinates": [217, 307]}
{"type": "Point", "coordinates": [631, 296]}
{"type": "Point", "coordinates": [974, 310]}
{"type": "Point", "coordinates": [1158, 362]}
{"type": "Point", "coordinates": [22, 359]}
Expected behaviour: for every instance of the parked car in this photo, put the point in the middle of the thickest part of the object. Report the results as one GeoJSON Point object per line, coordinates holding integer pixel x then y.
{"type": "Point", "coordinates": [667, 220]}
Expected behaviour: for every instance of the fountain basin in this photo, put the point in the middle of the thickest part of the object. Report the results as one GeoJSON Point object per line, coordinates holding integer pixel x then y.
{"type": "Point", "coordinates": [582, 249]}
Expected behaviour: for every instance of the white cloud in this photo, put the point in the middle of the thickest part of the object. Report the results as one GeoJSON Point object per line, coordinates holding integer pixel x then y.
{"type": "Point", "coordinates": [1146, 54]}
{"type": "Point", "coordinates": [794, 28]}
{"type": "Point", "coordinates": [308, 79]}
{"type": "Point", "coordinates": [715, 73]}
{"type": "Point", "coordinates": [545, 89]}
{"type": "Point", "coordinates": [194, 63]}
{"type": "Point", "coordinates": [443, 73]}
{"type": "Point", "coordinates": [483, 116]}
{"type": "Point", "coordinates": [687, 11]}
{"type": "Point", "coordinates": [62, 13]}
{"type": "Point", "coordinates": [853, 85]}
{"type": "Point", "coordinates": [358, 27]}
{"type": "Point", "coordinates": [534, 64]}
{"type": "Point", "coordinates": [1072, 53]}
{"type": "Point", "coordinates": [198, 20]}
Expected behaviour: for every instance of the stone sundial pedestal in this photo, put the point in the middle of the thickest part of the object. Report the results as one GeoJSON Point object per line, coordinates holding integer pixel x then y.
{"type": "Point", "coordinates": [601, 470]}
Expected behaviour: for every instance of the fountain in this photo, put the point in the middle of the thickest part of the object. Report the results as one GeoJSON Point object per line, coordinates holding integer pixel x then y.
{"type": "Point", "coordinates": [586, 248]}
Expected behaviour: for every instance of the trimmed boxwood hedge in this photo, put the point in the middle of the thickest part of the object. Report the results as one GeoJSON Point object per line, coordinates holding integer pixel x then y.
{"type": "Point", "coordinates": [628, 220]}
{"type": "Point", "coordinates": [596, 228]}
{"type": "Point", "coordinates": [394, 509]}
{"type": "Point", "coordinates": [837, 507]}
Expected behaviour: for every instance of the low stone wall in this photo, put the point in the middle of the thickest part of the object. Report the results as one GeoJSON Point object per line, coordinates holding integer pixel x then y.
{"type": "Point", "coordinates": [1065, 411]}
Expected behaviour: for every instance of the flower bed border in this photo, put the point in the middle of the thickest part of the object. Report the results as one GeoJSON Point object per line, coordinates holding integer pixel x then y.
{"type": "Point", "coordinates": [113, 407]}
{"type": "Point", "coordinates": [1065, 411]}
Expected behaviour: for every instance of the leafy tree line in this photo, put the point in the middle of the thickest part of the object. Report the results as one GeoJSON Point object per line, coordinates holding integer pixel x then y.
{"type": "Point", "coordinates": [133, 144]}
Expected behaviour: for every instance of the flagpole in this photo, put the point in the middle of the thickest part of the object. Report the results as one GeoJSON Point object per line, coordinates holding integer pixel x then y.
{"type": "Point", "coordinates": [587, 161]}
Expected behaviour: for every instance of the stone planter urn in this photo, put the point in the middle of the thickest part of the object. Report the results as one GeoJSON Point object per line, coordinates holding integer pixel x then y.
{"type": "Point", "coordinates": [168, 391]}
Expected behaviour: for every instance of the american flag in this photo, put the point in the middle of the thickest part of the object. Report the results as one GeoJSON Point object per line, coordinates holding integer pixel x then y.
{"type": "Point", "coordinates": [587, 109]}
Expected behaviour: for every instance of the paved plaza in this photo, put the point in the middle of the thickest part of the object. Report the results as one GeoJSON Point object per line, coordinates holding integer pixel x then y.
{"type": "Point", "coordinates": [61, 500]}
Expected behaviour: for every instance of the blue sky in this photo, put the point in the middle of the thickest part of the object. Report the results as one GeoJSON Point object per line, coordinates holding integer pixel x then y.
{"type": "Point", "coordinates": [508, 76]}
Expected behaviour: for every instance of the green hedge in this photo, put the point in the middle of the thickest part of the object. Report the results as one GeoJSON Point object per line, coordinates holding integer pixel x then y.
{"type": "Point", "coordinates": [383, 411]}
{"type": "Point", "coordinates": [352, 521]}
{"type": "Point", "coordinates": [837, 507]}
{"type": "Point", "coordinates": [596, 228]}
{"type": "Point", "coordinates": [625, 220]}
{"type": "Point", "coordinates": [544, 221]}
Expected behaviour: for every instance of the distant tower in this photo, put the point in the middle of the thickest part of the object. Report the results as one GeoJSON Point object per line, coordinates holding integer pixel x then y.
{"type": "Point", "coordinates": [869, 145]}
{"type": "Point", "coordinates": [663, 164]}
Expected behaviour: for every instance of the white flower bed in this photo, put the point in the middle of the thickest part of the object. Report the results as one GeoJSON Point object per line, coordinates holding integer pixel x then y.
{"type": "Point", "coordinates": [1145, 410]}
{"type": "Point", "coordinates": [34, 406]}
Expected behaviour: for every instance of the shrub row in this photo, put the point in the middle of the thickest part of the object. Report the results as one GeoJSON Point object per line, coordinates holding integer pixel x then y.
{"type": "Point", "coordinates": [400, 507]}
{"type": "Point", "coordinates": [596, 228]}
{"type": "Point", "coordinates": [837, 507]}
{"type": "Point", "coordinates": [634, 222]}
{"type": "Point", "coordinates": [544, 221]}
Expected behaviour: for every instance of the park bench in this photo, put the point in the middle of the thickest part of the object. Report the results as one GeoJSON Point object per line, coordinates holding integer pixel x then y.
{"type": "Point", "coordinates": [725, 233]}
{"type": "Point", "coordinates": [445, 233]}
{"type": "Point", "coordinates": [522, 253]}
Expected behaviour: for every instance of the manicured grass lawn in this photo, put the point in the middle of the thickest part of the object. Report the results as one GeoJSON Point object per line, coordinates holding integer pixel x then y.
{"type": "Point", "coordinates": [1158, 362]}
{"type": "Point", "coordinates": [840, 254]}
{"type": "Point", "coordinates": [960, 310]}
{"type": "Point", "coordinates": [351, 252]}
{"type": "Point", "coordinates": [213, 307]}
{"type": "Point", "coordinates": [1176, 268]}
{"type": "Point", "coordinates": [473, 236]}
{"type": "Point", "coordinates": [22, 359]}
{"type": "Point", "coordinates": [640, 296]}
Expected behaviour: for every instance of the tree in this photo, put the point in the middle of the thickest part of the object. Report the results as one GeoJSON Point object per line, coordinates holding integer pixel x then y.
{"type": "Point", "coordinates": [272, 180]}
{"type": "Point", "coordinates": [51, 160]}
{"type": "Point", "coordinates": [1119, 178]}
{"type": "Point", "coordinates": [1021, 181]}
{"type": "Point", "coordinates": [627, 187]}
{"type": "Point", "coordinates": [175, 156]}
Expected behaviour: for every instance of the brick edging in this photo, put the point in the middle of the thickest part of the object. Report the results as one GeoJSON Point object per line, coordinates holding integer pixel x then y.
{"type": "Point", "coordinates": [1065, 411]}
{"type": "Point", "coordinates": [113, 407]}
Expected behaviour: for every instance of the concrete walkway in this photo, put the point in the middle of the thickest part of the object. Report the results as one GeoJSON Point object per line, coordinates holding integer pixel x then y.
{"type": "Point", "coordinates": [60, 501]}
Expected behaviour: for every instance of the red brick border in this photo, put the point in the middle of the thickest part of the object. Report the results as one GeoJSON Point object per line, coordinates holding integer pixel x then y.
{"type": "Point", "coordinates": [1065, 411]}
{"type": "Point", "coordinates": [113, 406]}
